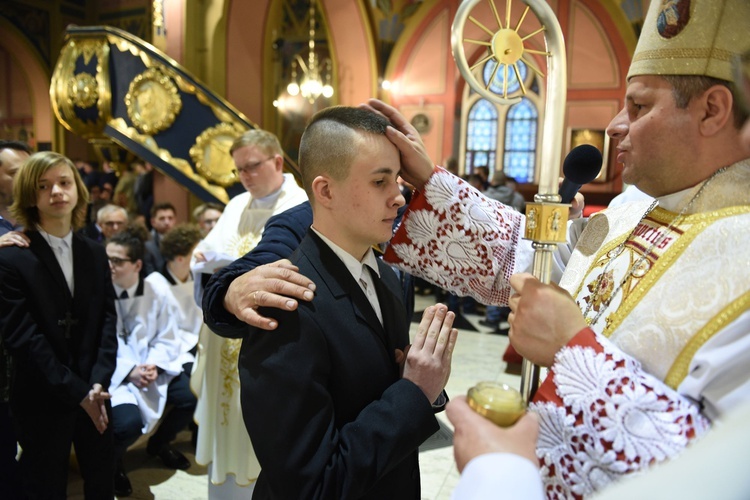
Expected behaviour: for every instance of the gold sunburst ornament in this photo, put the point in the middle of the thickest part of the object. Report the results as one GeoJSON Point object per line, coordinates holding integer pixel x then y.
{"type": "Point", "coordinates": [505, 46]}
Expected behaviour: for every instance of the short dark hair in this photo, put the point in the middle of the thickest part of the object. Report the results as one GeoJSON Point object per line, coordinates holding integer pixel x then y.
{"type": "Point", "coordinates": [201, 209]}
{"type": "Point", "coordinates": [165, 205]}
{"type": "Point", "coordinates": [687, 87]}
{"type": "Point", "coordinates": [328, 143]}
{"type": "Point", "coordinates": [132, 238]}
{"type": "Point", "coordinates": [179, 241]}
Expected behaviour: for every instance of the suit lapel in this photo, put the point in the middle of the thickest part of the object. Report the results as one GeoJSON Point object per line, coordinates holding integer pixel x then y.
{"type": "Point", "coordinates": [394, 313]}
{"type": "Point", "coordinates": [83, 258]}
{"type": "Point", "coordinates": [46, 256]}
{"type": "Point", "coordinates": [342, 284]}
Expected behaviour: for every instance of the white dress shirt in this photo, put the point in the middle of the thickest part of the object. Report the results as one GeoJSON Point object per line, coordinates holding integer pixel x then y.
{"type": "Point", "coordinates": [358, 270]}
{"type": "Point", "coordinates": [63, 250]}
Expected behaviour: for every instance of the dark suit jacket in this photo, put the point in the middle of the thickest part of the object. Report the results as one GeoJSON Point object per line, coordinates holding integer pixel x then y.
{"type": "Point", "coordinates": [52, 371]}
{"type": "Point", "coordinates": [152, 257]}
{"type": "Point", "coordinates": [281, 237]}
{"type": "Point", "coordinates": [91, 231]}
{"type": "Point", "coordinates": [324, 404]}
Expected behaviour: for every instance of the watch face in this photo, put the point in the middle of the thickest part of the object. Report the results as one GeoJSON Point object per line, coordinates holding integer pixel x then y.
{"type": "Point", "coordinates": [210, 153]}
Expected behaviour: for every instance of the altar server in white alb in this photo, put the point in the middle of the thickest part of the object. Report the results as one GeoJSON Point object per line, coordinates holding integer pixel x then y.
{"type": "Point", "coordinates": [654, 345]}
{"type": "Point", "coordinates": [223, 443]}
{"type": "Point", "coordinates": [176, 279]}
{"type": "Point", "coordinates": [147, 355]}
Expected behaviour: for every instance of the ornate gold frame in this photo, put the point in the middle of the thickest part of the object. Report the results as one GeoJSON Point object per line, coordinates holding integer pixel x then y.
{"type": "Point", "coordinates": [153, 101]}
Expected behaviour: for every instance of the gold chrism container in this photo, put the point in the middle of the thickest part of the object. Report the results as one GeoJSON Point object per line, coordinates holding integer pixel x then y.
{"type": "Point", "coordinates": [497, 402]}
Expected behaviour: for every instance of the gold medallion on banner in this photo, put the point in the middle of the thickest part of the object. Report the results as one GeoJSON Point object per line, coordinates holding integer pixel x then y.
{"type": "Point", "coordinates": [210, 153]}
{"type": "Point", "coordinates": [82, 90]}
{"type": "Point", "coordinates": [153, 101]}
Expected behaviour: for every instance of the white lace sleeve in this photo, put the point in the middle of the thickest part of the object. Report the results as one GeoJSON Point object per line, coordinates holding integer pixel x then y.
{"type": "Point", "coordinates": [458, 239]}
{"type": "Point", "coordinates": [606, 417]}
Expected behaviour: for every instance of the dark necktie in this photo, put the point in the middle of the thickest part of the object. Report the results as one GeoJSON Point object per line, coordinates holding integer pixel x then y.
{"type": "Point", "coordinates": [124, 294]}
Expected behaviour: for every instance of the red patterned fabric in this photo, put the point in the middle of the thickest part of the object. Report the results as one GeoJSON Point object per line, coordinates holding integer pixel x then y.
{"type": "Point", "coordinates": [602, 416]}
{"type": "Point", "coordinates": [457, 239]}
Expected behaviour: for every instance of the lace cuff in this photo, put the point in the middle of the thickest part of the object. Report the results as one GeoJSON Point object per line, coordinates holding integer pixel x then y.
{"type": "Point", "coordinates": [601, 416]}
{"type": "Point", "coordinates": [458, 239]}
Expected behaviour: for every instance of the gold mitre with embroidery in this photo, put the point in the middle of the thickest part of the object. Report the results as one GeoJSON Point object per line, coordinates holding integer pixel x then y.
{"type": "Point", "coordinates": [692, 37]}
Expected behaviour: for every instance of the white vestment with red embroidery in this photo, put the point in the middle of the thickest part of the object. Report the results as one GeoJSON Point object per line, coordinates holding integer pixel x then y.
{"type": "Point", "coordinates": [666, 356]}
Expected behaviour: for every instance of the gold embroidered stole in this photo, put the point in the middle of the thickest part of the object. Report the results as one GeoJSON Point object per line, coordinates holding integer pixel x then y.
{"type": "Point", "coordinates": [691, 284]}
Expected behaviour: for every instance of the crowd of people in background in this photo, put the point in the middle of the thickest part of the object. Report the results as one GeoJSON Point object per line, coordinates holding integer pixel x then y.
{"type": "Point", "coordinates": [142, 352]}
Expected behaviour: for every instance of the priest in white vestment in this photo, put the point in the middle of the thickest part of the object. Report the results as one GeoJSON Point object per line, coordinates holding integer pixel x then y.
{"type": "Point", "coordinates": [223, 443]}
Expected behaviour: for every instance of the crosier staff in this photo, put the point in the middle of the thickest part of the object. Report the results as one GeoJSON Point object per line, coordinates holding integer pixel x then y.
{"type": "Point", "coordinates": [546, 217]}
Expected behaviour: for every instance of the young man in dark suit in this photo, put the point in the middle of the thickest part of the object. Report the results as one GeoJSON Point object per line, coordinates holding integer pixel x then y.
{"type": "Point", "coordinates": [332, 405]}
{"type": "Point", "coordinates": [57, 319]}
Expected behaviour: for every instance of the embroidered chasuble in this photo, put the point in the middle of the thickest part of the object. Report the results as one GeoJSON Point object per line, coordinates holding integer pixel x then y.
{"type": "Point", "coordinates": [622, 394]}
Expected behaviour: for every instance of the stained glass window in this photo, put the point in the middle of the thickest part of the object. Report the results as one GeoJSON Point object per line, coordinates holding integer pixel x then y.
{"type": "Point", "coordinates": [520, 141]}
{"type": "Point", "coordinates": [497, 134]}
{"type": "Point", "coordinates": [481, 136]}
{"type": "Point", "coordinates": [497, 83]}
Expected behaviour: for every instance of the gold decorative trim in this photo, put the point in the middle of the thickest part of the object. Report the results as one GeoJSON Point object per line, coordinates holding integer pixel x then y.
{"type": "Point", "coordinates": [180, 164]}
{"type": "Point", "coordinates": [153, 101]}
{"type": "Point", "coordinates": [124, 45]}
{"type": "Point", "coordinates": [604, 251]}
{"type": "Point", "coordinates": [69, 90]}
{"type": "Point", "coordinates": [210, 153]}
{"type": "Point", "coordinates": [722, 55]}
{"type": "Point", "coordinates": [697, 224]}
{"type": "Point", "coordinates": [726, 316]}
{"type": "Point", "coordinates": [82, 90]}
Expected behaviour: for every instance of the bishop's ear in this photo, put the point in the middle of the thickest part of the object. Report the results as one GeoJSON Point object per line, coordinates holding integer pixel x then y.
{"type": "Point", "coordinates": [717, 104]}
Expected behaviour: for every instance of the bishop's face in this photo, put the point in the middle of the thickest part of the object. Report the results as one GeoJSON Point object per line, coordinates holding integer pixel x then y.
{"type": "Point", "coordinates": [655, 139]}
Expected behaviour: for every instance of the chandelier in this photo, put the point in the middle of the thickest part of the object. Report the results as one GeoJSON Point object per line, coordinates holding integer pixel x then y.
{"type": "Point", "coordinates": [316, 74]}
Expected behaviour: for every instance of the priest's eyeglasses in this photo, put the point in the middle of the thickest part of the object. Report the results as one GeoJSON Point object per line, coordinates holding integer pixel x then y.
{"type": "Point", "coordinates": [250, 168]}
{"type": "Point", "coordinates": [117, 261]}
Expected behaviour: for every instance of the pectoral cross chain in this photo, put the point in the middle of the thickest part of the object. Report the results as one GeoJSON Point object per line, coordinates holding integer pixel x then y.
{"type": "Point", "coordinates": [68, 322]}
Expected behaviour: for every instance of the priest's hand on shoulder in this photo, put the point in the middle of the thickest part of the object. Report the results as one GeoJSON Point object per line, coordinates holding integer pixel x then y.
{"type": "Point", "coordinates": [543, 319]}
{"type": "Point", "coordinates": [16, 238]}
{"type": "Point", "coordinates": [276, 285]}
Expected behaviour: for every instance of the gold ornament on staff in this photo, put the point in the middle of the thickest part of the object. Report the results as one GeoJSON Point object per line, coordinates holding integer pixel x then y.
{"type": "Point", "coordinates": [506, 46]}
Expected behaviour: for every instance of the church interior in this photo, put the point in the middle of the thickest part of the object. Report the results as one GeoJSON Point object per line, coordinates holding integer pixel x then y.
{"type": "Point", "coordinates": [81, 77]}
{"type": "Point", "coordinates": [248, 56]}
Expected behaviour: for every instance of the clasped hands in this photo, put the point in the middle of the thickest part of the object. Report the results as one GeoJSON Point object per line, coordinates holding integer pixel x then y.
{"type": "Point", "coordinates": [95, 406]}
{"type": "Point", "coordinates": [142, 375]}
